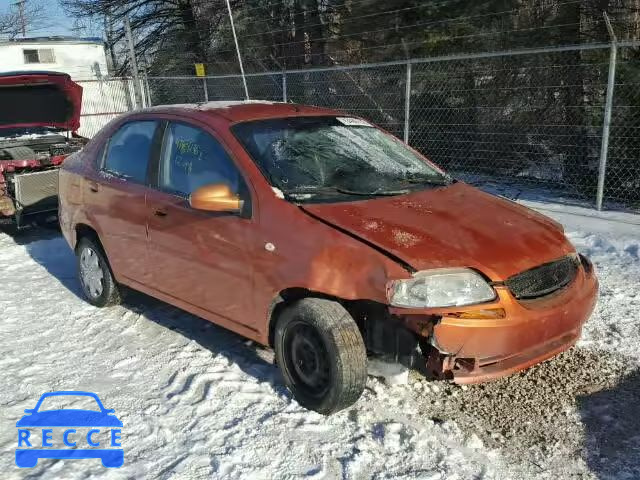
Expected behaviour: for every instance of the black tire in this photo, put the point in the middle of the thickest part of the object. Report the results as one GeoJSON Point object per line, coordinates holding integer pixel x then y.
{"type": "Point", "coordinates": [10, 229]}
{"type": "Point", "coordinates": [109, 294]}
{"type": "Point", "coordinates": [331, 377]}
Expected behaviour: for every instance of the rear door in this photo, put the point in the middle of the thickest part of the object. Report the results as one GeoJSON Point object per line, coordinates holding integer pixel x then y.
{"type": "Point", "coordinates": [117, 197]}
{"type": "Point", "coordinates": [200, 258]}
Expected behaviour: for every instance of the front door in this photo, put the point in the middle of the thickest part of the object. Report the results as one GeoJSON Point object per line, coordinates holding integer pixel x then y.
{"type": "Point", "coordinates": [198, 257]}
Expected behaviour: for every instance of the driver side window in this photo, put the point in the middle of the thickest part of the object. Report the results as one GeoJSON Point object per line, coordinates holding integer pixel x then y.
{"type": "Point", "coordinates": [191, 158]}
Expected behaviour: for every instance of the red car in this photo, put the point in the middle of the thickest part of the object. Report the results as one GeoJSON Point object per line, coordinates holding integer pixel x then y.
{"type": "Point", "coordinates": [39, 115]}
{"type": "Point", "coordinates": [318, 233]}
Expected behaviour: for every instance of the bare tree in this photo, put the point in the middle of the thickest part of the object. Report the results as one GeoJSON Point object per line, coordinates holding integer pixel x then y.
{"type": "Point", "coordinates": [169, 25]}
{"type": "Point", "coordinates": [9, 25]}
{"type": "Point", "coordinates": [23, 18]}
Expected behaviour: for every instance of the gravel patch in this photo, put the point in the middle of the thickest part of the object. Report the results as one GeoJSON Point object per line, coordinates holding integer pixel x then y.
{"type": "Point", "coordinates": [577, 414]}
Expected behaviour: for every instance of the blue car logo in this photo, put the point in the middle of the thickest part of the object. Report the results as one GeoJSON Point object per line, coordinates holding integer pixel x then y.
{"type": "Point", "coordinates": [33, 445]}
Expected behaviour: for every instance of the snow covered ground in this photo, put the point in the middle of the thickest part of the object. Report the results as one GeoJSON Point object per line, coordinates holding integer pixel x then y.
{"type": "Point", "coordinates": [200, 402]}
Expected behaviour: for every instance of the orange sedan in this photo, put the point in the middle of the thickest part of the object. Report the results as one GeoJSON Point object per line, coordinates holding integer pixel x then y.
{"type": "Point", "coordinates": [319, 234]}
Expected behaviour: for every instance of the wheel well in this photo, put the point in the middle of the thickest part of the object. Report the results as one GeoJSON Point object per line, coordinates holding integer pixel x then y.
{"type": "Point", "coordinates": [283, 299]}
{"type": "Point", "coordinates": [360, 310]}
{"type": "Point", "coordinates": [85, 231]}
{"type": "Point", "coordinates": [382, 333]}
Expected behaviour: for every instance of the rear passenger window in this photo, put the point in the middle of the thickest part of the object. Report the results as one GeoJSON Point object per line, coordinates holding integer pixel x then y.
{"type": "Point", "coordinates": [129, 149]}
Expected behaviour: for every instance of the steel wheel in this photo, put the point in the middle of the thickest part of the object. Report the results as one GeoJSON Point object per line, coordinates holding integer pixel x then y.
{"type": "Point", "coordinates": [307, 361]}
{"type": "Point", "coordinates": [91, 273]}
{"type": "Point", "coordinates": [321, 354]}
{"type": "Point", "coordinates": [96, 279]}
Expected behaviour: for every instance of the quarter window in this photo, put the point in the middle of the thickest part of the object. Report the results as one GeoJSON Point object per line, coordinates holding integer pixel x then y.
{"type": "Point", "coordinates": [129, 149]}
{"type": "Point", "coordinates": [191, 158]}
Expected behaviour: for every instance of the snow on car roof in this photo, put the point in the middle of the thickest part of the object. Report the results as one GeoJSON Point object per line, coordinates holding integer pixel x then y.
{"type": "Point", "coordinates": [234, 110]}
{"type": "Point", "coordinates": [232, 103]}
{"type": "Point", "coordinates": [213, 105]}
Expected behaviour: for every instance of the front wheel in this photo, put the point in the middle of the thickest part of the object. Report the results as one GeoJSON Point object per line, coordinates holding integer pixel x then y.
{"type": "Point", "coordinates": [96, 279]}
{"type": "Point", "coordinates": [321, 354]}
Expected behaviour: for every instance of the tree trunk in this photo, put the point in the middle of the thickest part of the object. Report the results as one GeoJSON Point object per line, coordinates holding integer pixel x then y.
{"type": "Point", "coordinates": [191, 36]}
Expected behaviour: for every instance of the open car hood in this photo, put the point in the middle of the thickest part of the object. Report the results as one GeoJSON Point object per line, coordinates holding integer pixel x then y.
{"type": "Point", "coordinates": [454, 226]}
{"type": "Point", "coordinates": [39, 99]}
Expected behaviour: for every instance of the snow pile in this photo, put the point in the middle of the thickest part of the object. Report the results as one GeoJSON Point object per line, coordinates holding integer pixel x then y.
{"type": "Point", "coordinates": [200, 402]}
{"type": "Point", "coordinates": [196, 401]}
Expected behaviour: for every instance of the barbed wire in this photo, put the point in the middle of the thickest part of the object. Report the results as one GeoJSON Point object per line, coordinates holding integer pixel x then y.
{"type": "Point", "coordinates": [469, 18]}
{"type": "Point", "coordinates": [351, 19]}
{"type": "Point", "coordinates": [255, 50]}
{"type": "Point", "coordinates": [424, 41]}
{"type": "Point", "coordinates": [350, 5]}
{"type": "Point", "coordinates": [347, 46]}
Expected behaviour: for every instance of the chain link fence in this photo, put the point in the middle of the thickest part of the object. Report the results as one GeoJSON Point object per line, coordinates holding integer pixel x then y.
{"type": "Point", "coordinates": [622, 179]}
{"type": "Point", "coordinates": [104, 100]}
{"type": "Point", "coordinates": [531, 120]}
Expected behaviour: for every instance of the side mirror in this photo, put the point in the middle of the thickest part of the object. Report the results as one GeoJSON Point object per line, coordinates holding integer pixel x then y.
{"type": "Point", "coordinates": [216, 198]}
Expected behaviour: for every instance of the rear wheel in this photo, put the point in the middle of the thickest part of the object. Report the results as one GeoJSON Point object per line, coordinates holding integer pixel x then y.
{"type": "Point", "coordinates": [321, 354]}
{"type": "Point", "coordinates": [98, 285]}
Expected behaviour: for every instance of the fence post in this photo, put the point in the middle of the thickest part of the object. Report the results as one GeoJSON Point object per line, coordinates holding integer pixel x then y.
{"type": "Point", "coordinates": [235, 40]}
{"type": "Point", "coordinates": [206, 89]}
{"type": "Point", "coordinates": [606, 123]}
{"type": "Point", "coordinates": [407, 103]}
{"type": "Point", "coordinates": [148, 88]}
{"type": "Point", "coordinates": [134, 64]}
{"type": "Point", "coordinates": [284, 86]}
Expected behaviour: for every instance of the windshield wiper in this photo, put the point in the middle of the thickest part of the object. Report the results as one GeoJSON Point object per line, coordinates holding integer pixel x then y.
{"type": "Point", "coordinates": [373, 193]}
{"type": "Point", "coordinates": [297, 193]}
{"type": "Point", "coordinates": [303, 192]}
{"type": "Point", "coordinates": [441, 181]}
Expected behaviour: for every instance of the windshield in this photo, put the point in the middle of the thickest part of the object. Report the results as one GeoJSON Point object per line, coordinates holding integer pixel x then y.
{"type": "Point", "coordinates": [321, 158]}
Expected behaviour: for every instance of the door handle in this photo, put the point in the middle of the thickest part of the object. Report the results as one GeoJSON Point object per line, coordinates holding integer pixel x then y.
{"type": "Point", "coordinates": [93, 186]}
{"type": "Point", "coordinates": [160, 213]}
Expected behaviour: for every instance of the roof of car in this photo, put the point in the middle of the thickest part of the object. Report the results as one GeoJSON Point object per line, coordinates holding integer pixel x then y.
{"type": "Point", "coordinates": [240, 110]}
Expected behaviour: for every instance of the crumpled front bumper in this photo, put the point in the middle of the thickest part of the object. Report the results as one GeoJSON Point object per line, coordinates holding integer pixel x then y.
{"type": "Point", "coordinates": [512, 336]}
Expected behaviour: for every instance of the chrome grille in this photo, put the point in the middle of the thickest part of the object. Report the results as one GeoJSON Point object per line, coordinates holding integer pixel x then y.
{"type": "Point", "coordinates": [544, 279]}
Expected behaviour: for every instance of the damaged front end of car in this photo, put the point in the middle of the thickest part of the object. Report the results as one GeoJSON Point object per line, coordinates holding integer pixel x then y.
{"type": "Point", "coordinates": [37, 131]}
{"type": "Point", "coordinates": [532, 317]}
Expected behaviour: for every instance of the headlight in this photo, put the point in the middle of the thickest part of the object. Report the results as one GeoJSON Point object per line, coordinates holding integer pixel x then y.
{"type": "Point", "coordinates": [442, 287]}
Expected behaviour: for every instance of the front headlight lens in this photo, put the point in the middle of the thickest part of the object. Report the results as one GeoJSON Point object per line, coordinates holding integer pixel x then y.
{"type": "Point", "coordinates": [442, 287]}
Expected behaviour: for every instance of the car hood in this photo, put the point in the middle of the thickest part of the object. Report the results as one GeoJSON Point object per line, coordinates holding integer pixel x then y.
{"type": "Point", "coordinates": [39, 99]}
{"type": "Point", "coordinates": [69, 418]}
{"type": "Point", "coordinates": [453, 226]}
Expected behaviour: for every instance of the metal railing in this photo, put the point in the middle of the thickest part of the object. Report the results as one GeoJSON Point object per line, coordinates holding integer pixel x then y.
{"type": "Point", "coordinates": [563, 120]}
